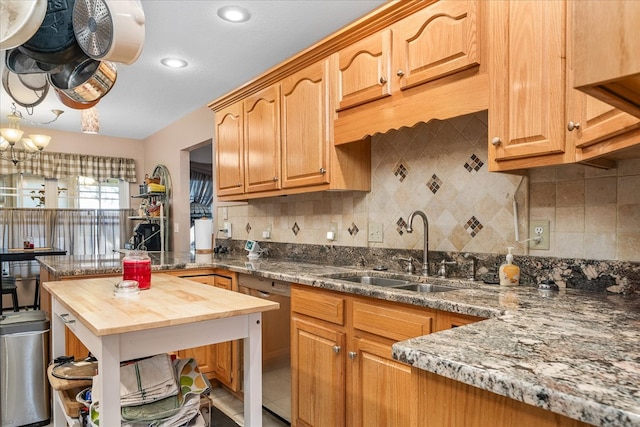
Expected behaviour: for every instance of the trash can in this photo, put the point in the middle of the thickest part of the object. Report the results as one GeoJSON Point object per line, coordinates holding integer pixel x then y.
{"type": "Point", "coordinates": [24, 350]}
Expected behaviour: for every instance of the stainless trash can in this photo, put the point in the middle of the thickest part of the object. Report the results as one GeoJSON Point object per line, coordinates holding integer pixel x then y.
{"type": "Point", "coordinates": [24, 350]}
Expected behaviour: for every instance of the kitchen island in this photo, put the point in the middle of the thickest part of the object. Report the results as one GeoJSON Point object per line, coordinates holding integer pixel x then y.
{"type": "Point", "coordinates": [572, 352]}
{"type": "Point", "coordinates": [173, 314]}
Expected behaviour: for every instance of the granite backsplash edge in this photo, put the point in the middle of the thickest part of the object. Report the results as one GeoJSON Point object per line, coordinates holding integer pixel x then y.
{"type": "Point", "coordinates": [621, 277]}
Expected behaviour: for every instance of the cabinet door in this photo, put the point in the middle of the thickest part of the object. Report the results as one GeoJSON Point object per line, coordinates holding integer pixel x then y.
{"type": "Point", "coordinates": [591, 123]}
{"type": "Point", "coordinates": [305, 139]}
{"type": "Point", "coordinates": [527, 75]}
{"type": "Point", "coordinates": [363, 72]}
{"type": "Point", "coordinates": [262, 140]}
{"type": "Point", "coordinates": [317, 375]}
{"type": "Point", "coordinates": [381, 388]}
{"type": "Point", "coordinates": [229, 150]}
{"type": "Point", "coordinates": [226, 353]}
{"type": "Point", "coordinates": [435, 42]}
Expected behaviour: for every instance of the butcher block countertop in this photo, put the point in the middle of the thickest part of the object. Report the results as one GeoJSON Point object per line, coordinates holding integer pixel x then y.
{"type": "Point", "coordinates": [170, 301]}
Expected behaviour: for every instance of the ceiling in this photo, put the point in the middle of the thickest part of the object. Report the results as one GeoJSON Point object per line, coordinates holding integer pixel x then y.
{"type": "Point", "coordinates": [148, 96]}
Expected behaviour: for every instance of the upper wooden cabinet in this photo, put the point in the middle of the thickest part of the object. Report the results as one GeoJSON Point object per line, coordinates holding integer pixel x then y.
{"type": "Point", "coordinates": [606, 42]}
{"type": "Point", "coordinates": [363, 70]}
{"type": "Point", "coordinates": [536, 117]}
{"type": "Point", "coordinates": [305, 127]}
{"type": "Point", "coordinates": [262, 140]}
{"type": "Point", "coordinates": [391, 66]}
{"type": "Point", "coordinates": [229, 147]}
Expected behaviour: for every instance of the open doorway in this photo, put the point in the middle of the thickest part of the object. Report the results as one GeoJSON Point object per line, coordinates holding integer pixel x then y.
{"type": "Point", "coordinates": [200, 184]}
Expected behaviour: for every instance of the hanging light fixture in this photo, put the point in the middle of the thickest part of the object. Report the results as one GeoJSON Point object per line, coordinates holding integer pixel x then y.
{"type": "Point", "coordinates": [12, 134]}
{"type": "Point", "coordinates": [90, 120]}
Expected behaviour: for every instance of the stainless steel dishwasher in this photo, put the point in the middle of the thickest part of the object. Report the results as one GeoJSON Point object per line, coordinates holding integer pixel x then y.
{"type": "Point", "coordinates": [276, 342]}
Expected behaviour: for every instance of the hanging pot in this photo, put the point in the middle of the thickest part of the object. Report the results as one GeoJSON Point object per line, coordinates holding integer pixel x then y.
{"type": "Point", "coordinates": [73, 104]}
{"type": "Point", "coordinates": [20, 21]}
{"type": "Point", "coordinates": [20, 63]}
{"type": "Point", "coordinates": [110, 30]}
{"type": "Point", "coordinates": [86, 81]}
{"type": "Point", "coordinates": [54, 42]}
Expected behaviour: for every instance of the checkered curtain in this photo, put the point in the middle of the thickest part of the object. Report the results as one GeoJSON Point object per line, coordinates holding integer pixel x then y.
{"type": "Point", "coordinates": [64, 165]}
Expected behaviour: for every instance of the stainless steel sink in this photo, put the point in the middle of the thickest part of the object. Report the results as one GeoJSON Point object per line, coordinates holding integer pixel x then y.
{"type": "Point", "coordinates": [425, 287]}
{"type": "Point", "coordinates": [396, 283]}
{"type": "Point", "coordinates": [376, 281]}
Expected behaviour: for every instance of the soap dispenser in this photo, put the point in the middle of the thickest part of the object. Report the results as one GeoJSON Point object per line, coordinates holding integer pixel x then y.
{"type": "Point", "coordinates": [509, 272]}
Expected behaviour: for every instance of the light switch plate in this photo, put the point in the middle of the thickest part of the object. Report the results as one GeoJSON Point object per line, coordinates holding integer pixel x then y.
{"type": "Point", "coordinates": [375, 232]}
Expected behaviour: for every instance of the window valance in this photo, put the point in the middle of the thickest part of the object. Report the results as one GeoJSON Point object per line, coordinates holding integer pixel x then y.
{"type": "Point", "coordinates": [65, 165]}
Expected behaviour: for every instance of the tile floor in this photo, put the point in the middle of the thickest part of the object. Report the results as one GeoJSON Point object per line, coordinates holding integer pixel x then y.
{"type": "Point", "coordinates": [233, 407]}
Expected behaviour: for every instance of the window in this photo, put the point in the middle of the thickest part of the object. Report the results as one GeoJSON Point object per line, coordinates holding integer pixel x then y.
{"type": "Point", "coordinates": [29, 191]}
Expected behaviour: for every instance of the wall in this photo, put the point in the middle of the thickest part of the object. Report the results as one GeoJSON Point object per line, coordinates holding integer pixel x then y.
{"type": "Point", "coordinates": [170, 147]}
{"type": "Point", "coordinates": [441, 168]}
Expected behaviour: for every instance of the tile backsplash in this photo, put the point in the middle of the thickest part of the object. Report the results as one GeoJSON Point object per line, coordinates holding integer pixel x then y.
{"type": "Point", "coordinates": [440, 168]}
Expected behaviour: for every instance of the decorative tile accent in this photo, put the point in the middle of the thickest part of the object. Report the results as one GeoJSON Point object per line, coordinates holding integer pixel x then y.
{"type": "Point", "coordinates": [401, 171]}
{"type": "Point", "coordinates": [401, 226]}
{"type": "Point", "coordinates": [434, 184]}
{"type": "Point", "coordinates": [474, 164]}
{"type": "Point", "coordinates": [353, 230]}
{"type": "Point", "coordinates": [248, 228]}
{"type": "Point", "coordinates": [295, 228]}
{"type": "Point", "coordinates": [473, 226]}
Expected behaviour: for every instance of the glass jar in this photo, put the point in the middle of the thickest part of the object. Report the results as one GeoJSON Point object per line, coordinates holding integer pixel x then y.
{"type": "Point", "coordinates": [136, 265]}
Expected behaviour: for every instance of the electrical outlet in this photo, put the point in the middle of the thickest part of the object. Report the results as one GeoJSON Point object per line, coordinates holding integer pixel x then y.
{"type": "Point", "coordinates": [539, 228]}
{"type": "Point", "coordinates": [226, 230]}
{"type": "Point", "coordinates": [375, 232]}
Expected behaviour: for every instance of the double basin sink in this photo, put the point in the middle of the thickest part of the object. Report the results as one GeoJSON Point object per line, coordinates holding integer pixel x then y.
{"type": "Point", "coordinates": [395, 283]}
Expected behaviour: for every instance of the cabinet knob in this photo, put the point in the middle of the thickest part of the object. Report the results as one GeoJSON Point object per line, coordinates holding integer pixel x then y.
{"type": "Point", "coordinates": [323, 170]}
{"type": "Point", "coordinates": [275, 178]}
{"type": "Point", "coordinates": [400, 73]}
{"type": "Point", "coordinates": [573, 126]}
{"type": "Point", "coordinates": [496, 141]}
{"type": "Point", "coordinates": [383, 80]}
{"type": "Point", "coordinates": [239, 184]}
{"type": "Point", "coordinates": [336, 349]}
{"type": "Point", "coordinates": [352, 355]}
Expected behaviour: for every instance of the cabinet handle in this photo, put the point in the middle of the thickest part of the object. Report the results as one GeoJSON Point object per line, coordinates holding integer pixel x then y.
{"type": "Point", "coordinates": [573, 126]}
{"type": "Point", "coordinates": [275, 178]}
{"type": "Point", "coordinates": [239, 184]}
{"type": "Point", "coordinates": [336, 349]}
{"type": "Point", "coordinates": [400, 73]}
{"type": "Point", "coordinates": [383, 80]}
{"type": "Point", "coordinates": [323, 170]}
{"type": "Point", "coordinates": [496, 141]}
{"type": "Point", "coordinates": [352, 355]}
{"type": "Point", "coordinates": [65, 319]}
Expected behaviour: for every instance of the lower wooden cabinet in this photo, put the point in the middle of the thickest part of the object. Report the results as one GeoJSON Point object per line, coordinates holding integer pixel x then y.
{"type": "Point", "coordinates": [218, 361]}
{"type": "Point", "coordinates": [342, 370]}
{"type": "Point", "coordinates": [446, 402]}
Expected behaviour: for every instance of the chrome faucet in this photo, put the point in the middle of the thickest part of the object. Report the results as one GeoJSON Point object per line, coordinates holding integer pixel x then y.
{"type": "Point", "coordinates": [409, 228]}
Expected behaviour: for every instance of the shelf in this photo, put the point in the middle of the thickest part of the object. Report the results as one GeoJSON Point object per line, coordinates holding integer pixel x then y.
{"type": "Point", "coordinates": [147, 195]}
{"type": "Point", "coordinates": [147, 218]}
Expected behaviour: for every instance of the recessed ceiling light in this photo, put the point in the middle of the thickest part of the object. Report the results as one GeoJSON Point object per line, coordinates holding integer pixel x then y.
{"type": "Point", "coordinates": [174, 62]}
{"type": "Point", "coordinates": [234, 14]}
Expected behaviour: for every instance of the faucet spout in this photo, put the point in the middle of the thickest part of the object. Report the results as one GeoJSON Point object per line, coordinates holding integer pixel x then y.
{"type": "Point", "coordinates": [409, 228]}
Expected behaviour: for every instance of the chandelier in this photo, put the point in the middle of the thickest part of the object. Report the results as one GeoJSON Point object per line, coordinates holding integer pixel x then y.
{"type": "Point", "coordinates": [11, 135]}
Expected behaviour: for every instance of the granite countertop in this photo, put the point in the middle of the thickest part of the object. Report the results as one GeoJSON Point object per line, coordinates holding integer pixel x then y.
{"type": "Point", "coordinates": [571, 352]}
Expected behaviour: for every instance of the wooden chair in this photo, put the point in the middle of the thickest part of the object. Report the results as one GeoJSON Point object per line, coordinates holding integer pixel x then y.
{"type": "Point", "coordinates": [9, 287]}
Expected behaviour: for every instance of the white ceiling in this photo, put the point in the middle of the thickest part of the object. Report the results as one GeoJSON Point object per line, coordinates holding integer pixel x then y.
{"type": "Point", "coordinates": [222, 56]}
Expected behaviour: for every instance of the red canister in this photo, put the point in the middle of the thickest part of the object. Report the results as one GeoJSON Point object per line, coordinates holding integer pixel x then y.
{"type": "Point", "coordinates": [136, 265]}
